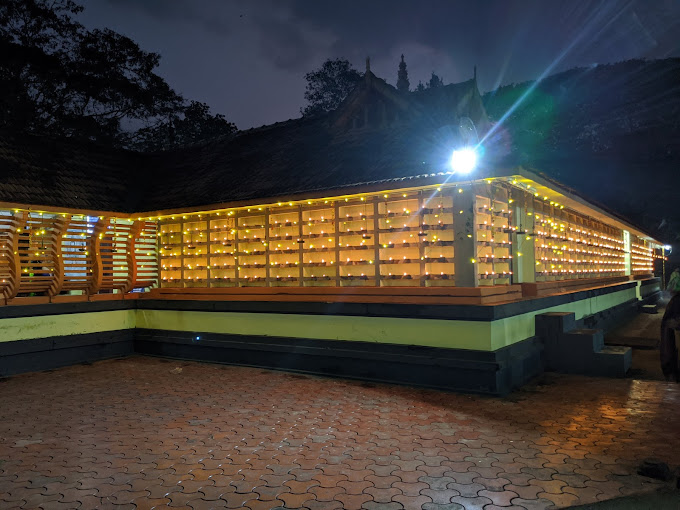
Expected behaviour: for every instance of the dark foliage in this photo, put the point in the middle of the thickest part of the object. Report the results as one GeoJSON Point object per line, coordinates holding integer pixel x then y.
{"type": "Point", "coordinates": [609, 131]}
{"type": "Point", "coordinates": [434, 82]}
{"type": "Point", "coordinates": [58, 78]}
{"type": "Point", "coordinates": [184, 128]}
{"type": "Point", "coordinates": [329, 85]}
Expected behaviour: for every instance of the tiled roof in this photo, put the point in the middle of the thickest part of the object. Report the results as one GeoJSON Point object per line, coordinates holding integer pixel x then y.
{"type": "Point", "coordinates": [64, 173]}
{"type": "Point", "coordinates": [297, 156]}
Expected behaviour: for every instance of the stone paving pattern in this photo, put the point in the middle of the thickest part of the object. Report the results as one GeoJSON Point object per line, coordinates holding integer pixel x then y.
{"type": "Point", "coordinates": [151, 433]}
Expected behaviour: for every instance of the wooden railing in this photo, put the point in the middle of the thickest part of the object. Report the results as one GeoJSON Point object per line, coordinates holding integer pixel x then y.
{"type": "Point", "coordinates": [46, 254]}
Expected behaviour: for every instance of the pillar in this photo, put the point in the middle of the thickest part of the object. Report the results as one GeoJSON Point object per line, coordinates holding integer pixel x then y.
{"type": "Point", "coordinates": [465, 237]}
{"type": "Point", "coordinates": [523, 252]}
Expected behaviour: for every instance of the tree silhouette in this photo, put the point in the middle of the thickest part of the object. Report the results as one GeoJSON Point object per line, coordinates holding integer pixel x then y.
{"type": "Point", "coordinates": [329, 85]}
{"type": "Point", "coordinates": [58, 78]}
{"type": "Point", "coordinates": [402, 77]}
{"type": "Point", "coordinates": [435, 81]}
{"type": "Point", "coordinates": [193, 125]}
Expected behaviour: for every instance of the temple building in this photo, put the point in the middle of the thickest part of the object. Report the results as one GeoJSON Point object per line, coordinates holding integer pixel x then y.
{"type": "Point", "coordinates": [392, 239]}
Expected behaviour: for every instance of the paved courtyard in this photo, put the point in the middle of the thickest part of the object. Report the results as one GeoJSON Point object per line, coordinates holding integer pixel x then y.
{"type": "Point", "coordinates": [152, 433]}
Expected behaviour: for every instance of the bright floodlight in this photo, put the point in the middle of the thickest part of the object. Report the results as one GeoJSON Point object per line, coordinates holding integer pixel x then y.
{"type": "Point", "coordinates": [463, 161]}
{"type": "Point", "coordinates": [668, 247]}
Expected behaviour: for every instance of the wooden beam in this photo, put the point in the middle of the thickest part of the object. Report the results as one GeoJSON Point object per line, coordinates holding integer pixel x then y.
{"type": "Point", "coordinates": [131, 256]}
{"type": "Point", "coordinates": [14, 259]}
{"type": "Point", "coordinates": [376, 240]}
{"type": "Point", "coordinates": [301, 250]}
{"type": "Point", "coordinates": [336, 215]}
{"type": "Point", "coordinates": [60, 226]}
{"type": "Point", "coordinates": [96, 257]}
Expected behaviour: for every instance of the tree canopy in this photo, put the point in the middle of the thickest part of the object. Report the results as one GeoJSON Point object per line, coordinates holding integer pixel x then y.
{"type": "Point", "coordinates": [434, 82]}
{"type": "Point", "coordinates": [329, 85]}
{"type": "Point", "coordinates": [59, 78]}
{"type": "Point", "coordinates": [192, 125]}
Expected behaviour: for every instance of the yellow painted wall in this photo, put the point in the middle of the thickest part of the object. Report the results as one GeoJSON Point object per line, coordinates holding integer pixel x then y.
{"type": "Point", "coordinates": [452, 334]}
{"type": "Point", "coordinates": [514, 329]}
{"type": "Point", "coordinates": [25, 328]}
{"type": "Point", "coordinates": [430, 332]}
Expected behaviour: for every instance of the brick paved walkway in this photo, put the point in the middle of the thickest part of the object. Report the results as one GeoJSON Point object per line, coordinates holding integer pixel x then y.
{"type": "Point", "coordinates": [153, 433]}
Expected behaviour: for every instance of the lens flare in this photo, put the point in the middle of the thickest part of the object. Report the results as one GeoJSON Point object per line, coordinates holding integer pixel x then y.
{"type": "Point", "coordinates": [463, 161]}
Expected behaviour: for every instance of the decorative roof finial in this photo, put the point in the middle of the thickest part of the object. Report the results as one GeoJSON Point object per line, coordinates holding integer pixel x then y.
{"type": "Point", "coordinates": [402, 76]}
{"type": "Point", "coordinates": [474, 76]}
{"type": "Point", "coordinates": [368, 64]}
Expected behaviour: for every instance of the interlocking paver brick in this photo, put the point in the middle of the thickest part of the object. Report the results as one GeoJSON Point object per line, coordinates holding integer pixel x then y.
{"type": "Point", "coordinates": [295, 500]}
{"type": "Point", "coordinates": [36, 500]}
{"type": "Point", "coordinates": [374, 505]}
{"type": "Point", "coordinates": [382, 470]}
{"type": "Point", "coordinates": [539, 473]}
{"type": "Point", "coordinates": [256, 504]}
{"type": "Point", "coordinates": [353, 500]}
{"type": "Point", "coordinates": [270, 493]}
{"type": "Point", "coordinates": [525, 491]}
{"type": "Point", "coordinates": [202, 504]}
{"type": "Point", "coordinates": [561, 500]}
{"type": "Point", "coordinates": [471, 503]}
{"type": "Point", "coordinates": [383, 482]}
{"type": "Point", "coordinates": [329, 480]}
{"type": "Point", "coordinates": [585, 495]}
{"type": "Point", "coordinates": [326, 493]}
{"type": "Point", "coordinates": [503, 498]}
{"type": "Point", "coordinates": [236, 500]}
{"type": "Point", "coordinates": [492, 484]}
{"type": "Point", "coordinates": [383, 495]}
{"type": "Point", "coordinates": [533, 504]}
{"type": "Point", "coordinates": [446, 506]}
{"type": "Point", "coordinates": [409, 476]}
{"type": "Point", "coordinates": [437, 483]}
{"type": "Point", "coordinates": [440, 496]}
{"type": "Point", "coordinates": [324, 505]}
{"type": "Point", "coordinates": [572, 480]}
{"type": "Point", "coordinates": [412, 501]}
{"type": "Point", "coordinates": [354, 487]}
{"type": "Point", "coordinates": [247, 436]}
{"type": "Point", "coordinates": [410, 489]}
{"type": "Point", "coordinates": [460, 466]}
{"type": "Point", "coordinates": [551, 486]}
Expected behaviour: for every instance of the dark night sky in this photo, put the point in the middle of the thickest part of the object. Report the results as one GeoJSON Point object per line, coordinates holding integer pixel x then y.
{"type": "Point", "coordinates": [247, 59]}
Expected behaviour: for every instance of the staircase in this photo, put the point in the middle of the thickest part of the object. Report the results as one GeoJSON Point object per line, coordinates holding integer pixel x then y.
{"type": "Point", "coordinates": [572, 350]}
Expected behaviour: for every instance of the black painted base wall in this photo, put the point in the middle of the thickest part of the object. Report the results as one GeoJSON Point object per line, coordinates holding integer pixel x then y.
{"type": "Point", "coordinates": [46, 353]}
{"type": "Point", "coordinates": [450, 369]}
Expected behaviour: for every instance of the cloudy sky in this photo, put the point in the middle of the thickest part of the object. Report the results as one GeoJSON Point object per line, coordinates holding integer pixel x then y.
{"type": "Point", "coordinates": [247, 58]}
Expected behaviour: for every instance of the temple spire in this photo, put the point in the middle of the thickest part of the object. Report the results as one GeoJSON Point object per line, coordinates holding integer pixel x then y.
{"type": "Point", "coordinates": [402, 76]}
{"type": "Point", "coordinates": [368, 64]}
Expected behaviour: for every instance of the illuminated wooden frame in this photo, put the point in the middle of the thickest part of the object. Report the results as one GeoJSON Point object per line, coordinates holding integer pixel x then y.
{"type": "Point", "coordinates": [45, 253]}
{"type": "Point", "coordinates": [427, 235]}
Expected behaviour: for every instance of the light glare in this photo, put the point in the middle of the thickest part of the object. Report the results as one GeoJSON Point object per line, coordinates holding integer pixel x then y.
{"type": "Point", "coordinates": [463, 161]}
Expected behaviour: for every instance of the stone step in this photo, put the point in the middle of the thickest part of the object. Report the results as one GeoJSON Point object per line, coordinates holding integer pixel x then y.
{"type": "Point", "coordinates": [589, 340]}
{"type": "Point", "coordinates": [613, 361]}
{"type": "Point", "coordinates": [579, 351]}
{"type": "Point", "coordinates": [652, 308]}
